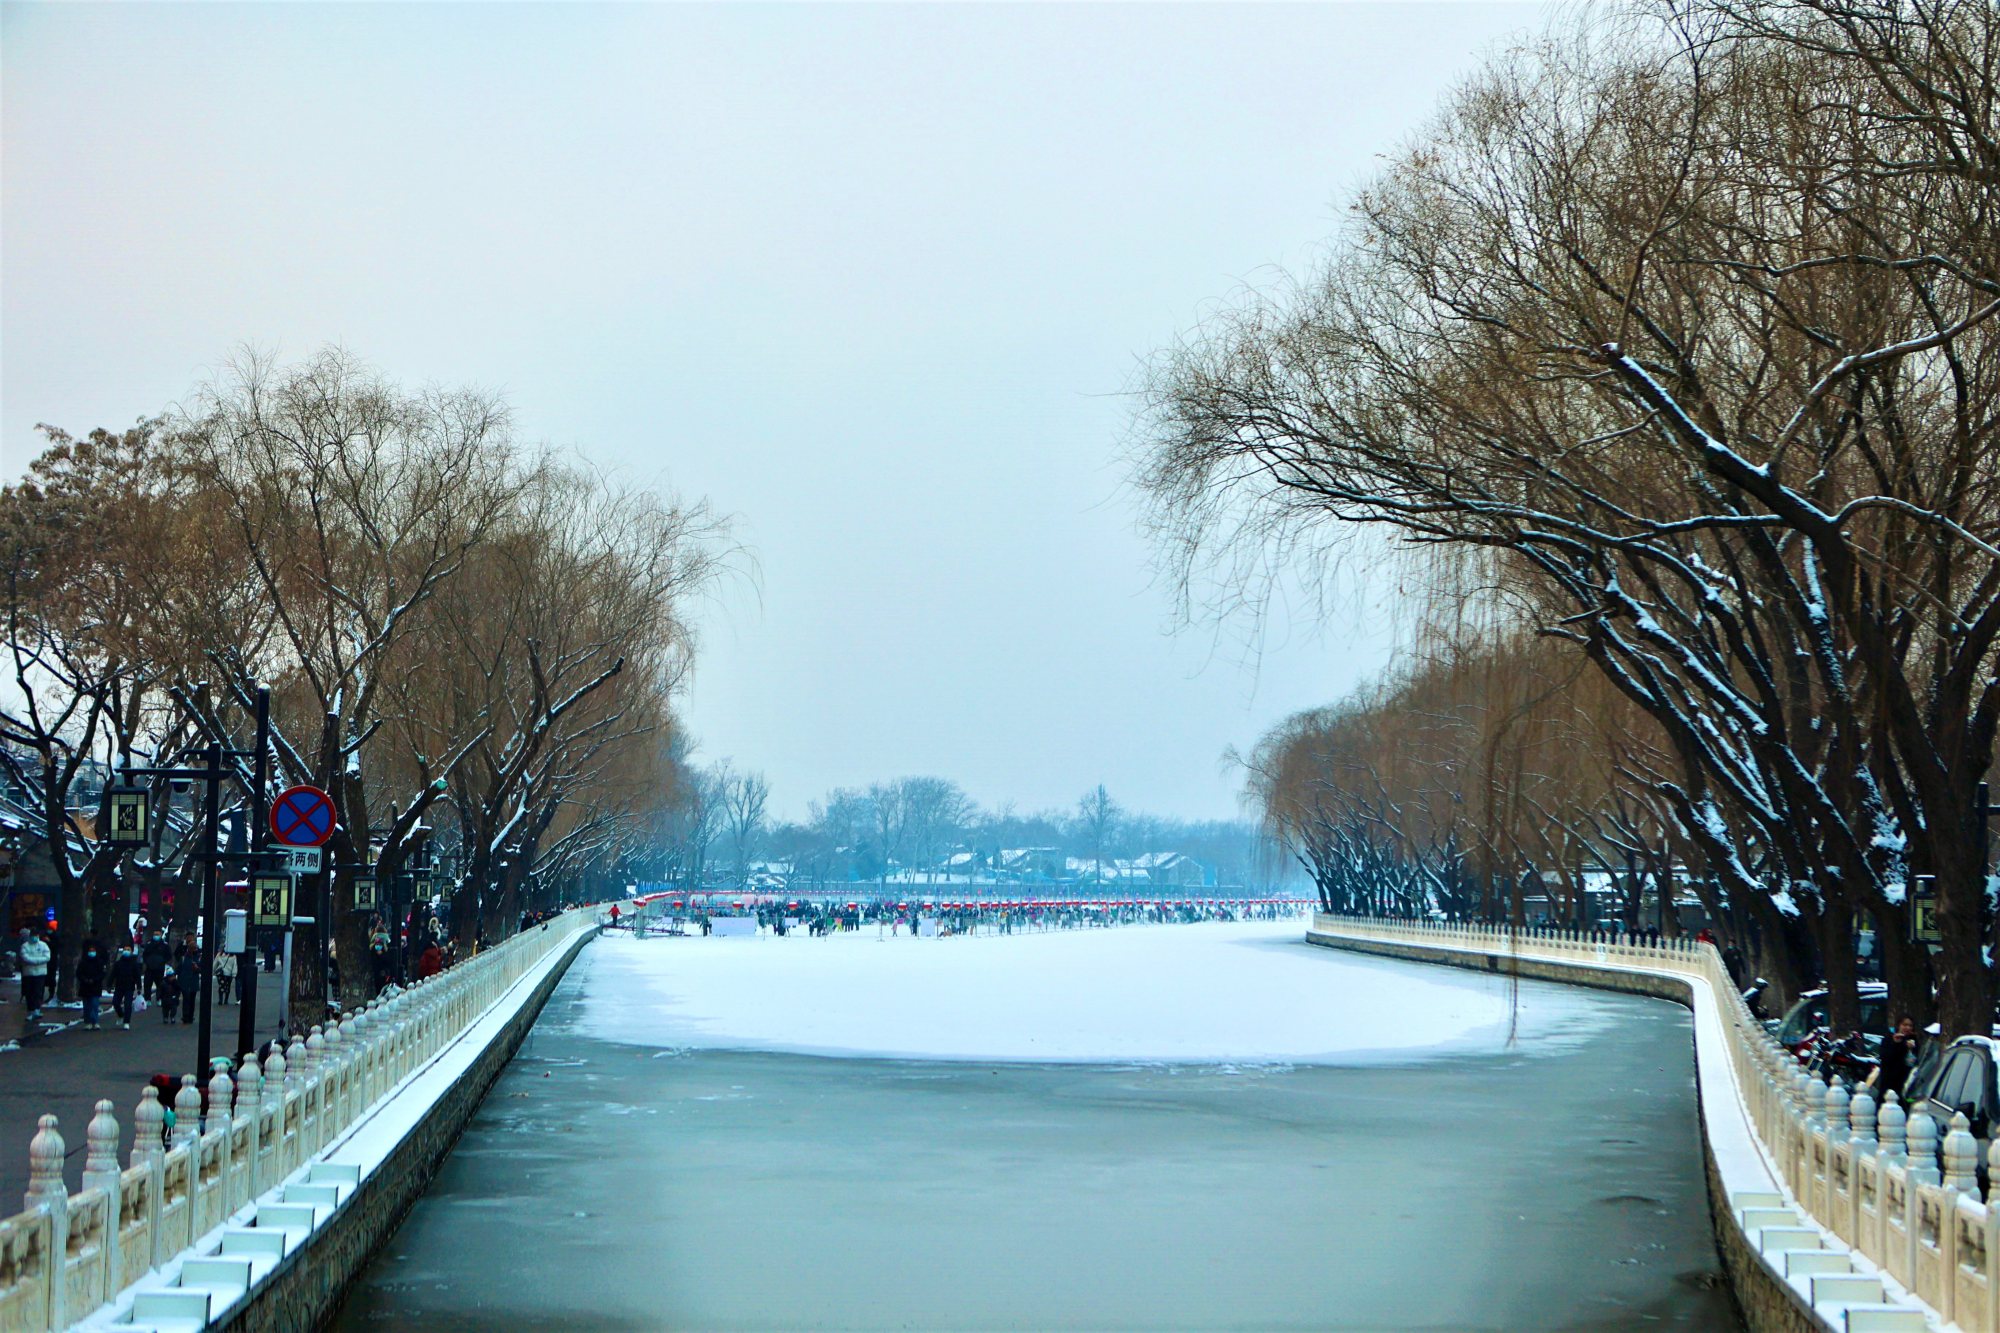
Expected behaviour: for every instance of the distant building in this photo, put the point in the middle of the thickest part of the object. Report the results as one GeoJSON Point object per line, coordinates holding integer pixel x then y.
{"type": "Point", "coordinates": [1174, 870]}
{"type": "Point", "coordinates": [1031, 863]}
{"type": "Point", "coordinates": [1154, 870]}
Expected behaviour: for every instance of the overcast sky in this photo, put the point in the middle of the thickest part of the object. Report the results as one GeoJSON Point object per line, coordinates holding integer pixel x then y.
{"type": "Point", "coordinates": [873, 279]}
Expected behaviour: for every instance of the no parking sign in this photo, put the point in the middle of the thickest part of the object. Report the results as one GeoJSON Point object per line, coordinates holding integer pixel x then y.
{"type": "Point", "coordinates": [302, 817]}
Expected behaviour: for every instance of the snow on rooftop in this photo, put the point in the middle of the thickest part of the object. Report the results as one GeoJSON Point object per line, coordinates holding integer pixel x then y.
{"type": "Point", "coordinates": [1227, 993]}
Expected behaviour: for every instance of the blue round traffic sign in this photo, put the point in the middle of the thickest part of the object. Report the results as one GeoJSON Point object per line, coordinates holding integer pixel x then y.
{"type": "Point", "coordinates": [302, 817]}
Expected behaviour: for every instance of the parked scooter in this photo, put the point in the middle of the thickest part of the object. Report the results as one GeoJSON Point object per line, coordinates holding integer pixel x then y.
{"type": "Point", "coordinates": [1851, 1058]}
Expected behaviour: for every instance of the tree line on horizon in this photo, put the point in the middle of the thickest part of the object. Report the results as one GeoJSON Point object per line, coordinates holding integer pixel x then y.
{"type": "Point", "coordinates": [1663, 361]}
{"type": "Point", "coordinates": [856, 835]}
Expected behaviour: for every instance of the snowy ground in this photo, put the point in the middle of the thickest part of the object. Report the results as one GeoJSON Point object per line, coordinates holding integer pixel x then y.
{"type": "Point", "coordinates": [1212, 993]}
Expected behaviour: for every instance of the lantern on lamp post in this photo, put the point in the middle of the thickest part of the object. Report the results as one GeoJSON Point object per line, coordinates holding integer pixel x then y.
{"type": "Point", "coordinates": [364, 892]}
{"type": "Point", "coordinates": [270, 899]}
{"type": "Point", "coordinates": [127, 810]}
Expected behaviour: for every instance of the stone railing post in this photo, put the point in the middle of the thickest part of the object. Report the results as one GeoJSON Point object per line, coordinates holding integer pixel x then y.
{"type": "Point", "coordinates": [352, 1053]}
{"type": "Point", "coordinates": [148, 1128]}
{"type": "Point", "coordinates": [250, 1101]}
{"type": "Point", "coordinates": [100, 1172]}
{"type": "Point", "coordinates": [333, 1081]}
{"type": "Point", "coordinates": [360, 1036]}
{"type": "Point", "coordinates": [187, 1133]}
{"type": "Point", "coordinates": [1961, 1155]}
{"type": "Point", "coordinates": [187, 1113]}
{"type": "Point", "coordinates": [274, 1089]}
{"type": "Point", "coordinates": [1815, 1102]}
{"type": "Point", "coordinates": [149, 1149]}
{"type": "Point", "coordinates": [45, 1165]}
{"type": "Point", "coordinates": [1837, 1112]}
{"type": "Point", "coordinates": [1861, 1118]}
{"type": "Point", "coordinates": [1923, 1141]}
{"type": "Point", "coordinates": [47, 1191]}
{"type": "Point", "coordinates": [1891, 1129]}
{"type": "Point", "coordinates": [221, 1102]}
{"type": "Point", "coordinates": [100, 1160]}
{"type": "Point", "coordinates": [1798, 1078]}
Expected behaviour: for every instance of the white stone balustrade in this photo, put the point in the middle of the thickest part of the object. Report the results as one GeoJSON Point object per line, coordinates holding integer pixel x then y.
{"type": "Point", "coordinates": [66, 1255]}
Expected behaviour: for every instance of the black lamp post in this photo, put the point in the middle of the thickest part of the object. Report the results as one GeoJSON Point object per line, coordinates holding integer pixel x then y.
{"type": "Point", "coordinates": [128, 821]}
{"type": "Point", "coordinates": [127, 811]}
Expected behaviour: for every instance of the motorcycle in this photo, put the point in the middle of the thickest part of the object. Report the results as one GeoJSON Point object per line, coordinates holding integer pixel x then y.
{"type": "Point", "coordinates": [1850, 1058]}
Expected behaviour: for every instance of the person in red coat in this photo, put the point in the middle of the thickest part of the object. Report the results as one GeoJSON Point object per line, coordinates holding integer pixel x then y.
{"type": "Point", "coordinates": [430, 962]}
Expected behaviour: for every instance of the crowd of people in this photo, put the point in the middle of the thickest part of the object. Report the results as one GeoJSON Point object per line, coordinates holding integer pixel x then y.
{"type": "Point", "coordinates": [144, 972]}
{"type": "Point", "coordinates": [147, 970]}
{"type": "Point", "coordinates": [1002, 917]}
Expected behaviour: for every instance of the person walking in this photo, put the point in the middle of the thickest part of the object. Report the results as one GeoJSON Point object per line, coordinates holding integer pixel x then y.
{"type": "Point", "coordinates": [91, 967]}
{"type": "Point", "coordinates": [34, 954]}
{"type": "Point", "coordinates": [126, 975]}
{"type": "Point", "coordinates": [154, 957]}
{"type": "Point", "coordinates": [378, 957]}
{"type": "Point", "coordinates": [187, 963]}
{"type": "Point", "coordinates": [225, 975]}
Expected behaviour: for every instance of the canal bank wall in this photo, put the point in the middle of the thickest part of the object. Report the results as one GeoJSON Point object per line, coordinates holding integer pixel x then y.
{"type": "Point", "coordinates": [284, 1260]}
{"type": "Point", "coordinates": [1789, 1273]}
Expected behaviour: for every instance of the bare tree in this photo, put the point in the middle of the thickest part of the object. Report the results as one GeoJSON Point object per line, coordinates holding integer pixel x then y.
{"type": "Point", "coordinates": [1697, 349]}
{"type": "Point", "coordinates": [744, 796]}
{"type": "Point", "coordinates": [1097, 817]}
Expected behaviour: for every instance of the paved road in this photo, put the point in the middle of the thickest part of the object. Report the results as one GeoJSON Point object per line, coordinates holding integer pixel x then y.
{"type": "Point", "coordinates": [64, 1070]}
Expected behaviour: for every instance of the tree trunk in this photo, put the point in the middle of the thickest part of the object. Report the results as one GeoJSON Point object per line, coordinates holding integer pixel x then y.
{"type": "Point", "coordinates": [1906, 966]}
{"type": "Point", "coordinates": [1835, 931]}
{"type": "Point", "coordinates": [1965, 1002]}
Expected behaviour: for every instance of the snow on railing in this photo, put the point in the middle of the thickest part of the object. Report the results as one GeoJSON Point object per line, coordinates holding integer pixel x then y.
{"type": "Point", "coordinates": [1873, 1210]}
{"type": "Point", "coordinates": [69, 1254]}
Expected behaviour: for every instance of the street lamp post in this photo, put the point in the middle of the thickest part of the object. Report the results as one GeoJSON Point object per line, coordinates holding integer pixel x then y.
{"type": "Point", "coordinates": [211, 774]}
{"type": "Point", "coordinates": [246, 964]}
{"type": "Point", "coordinates": [127, 825]}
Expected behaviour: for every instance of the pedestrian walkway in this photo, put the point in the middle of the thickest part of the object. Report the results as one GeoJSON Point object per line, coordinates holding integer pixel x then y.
{"type": "Point", "coordinates": [66, 1071]}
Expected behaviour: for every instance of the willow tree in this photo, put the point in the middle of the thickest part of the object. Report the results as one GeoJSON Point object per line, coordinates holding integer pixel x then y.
{"type": "Point", "coordinates": [1702, 345]}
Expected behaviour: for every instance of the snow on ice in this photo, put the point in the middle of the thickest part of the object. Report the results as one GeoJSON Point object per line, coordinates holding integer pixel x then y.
{"type": "Point", "coordinates": [1210, 993]}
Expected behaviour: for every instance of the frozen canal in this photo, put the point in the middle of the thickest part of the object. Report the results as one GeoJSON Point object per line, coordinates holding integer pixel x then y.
{"type": "Point", "coordinates": [1145, 1128]}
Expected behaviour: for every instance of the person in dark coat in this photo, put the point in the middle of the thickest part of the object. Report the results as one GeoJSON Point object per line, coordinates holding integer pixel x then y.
{"type": "Point", "coordinates": [126, 976]}
{"type": "Point", "coordinates": [187, 971]}
{"type": "Point", "coordinates": [154, 958]}
{"type": "Point", "coordinates": [91, 967]}
{"type": "Point", "coordinates": [1898, 1057]}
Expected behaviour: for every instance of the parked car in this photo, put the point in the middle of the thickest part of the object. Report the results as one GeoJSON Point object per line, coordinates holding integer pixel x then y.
{"type": "Point", "coordinates": [1795, 1030]}
{"type": "Point", "coordinates": [1923, 1074]}
{"type": "Point", "coordinates": [1961, 1079]}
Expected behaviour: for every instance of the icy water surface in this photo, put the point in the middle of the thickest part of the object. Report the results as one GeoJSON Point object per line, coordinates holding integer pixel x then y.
{"type": "Point", "coordinates": [612, 1186]}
